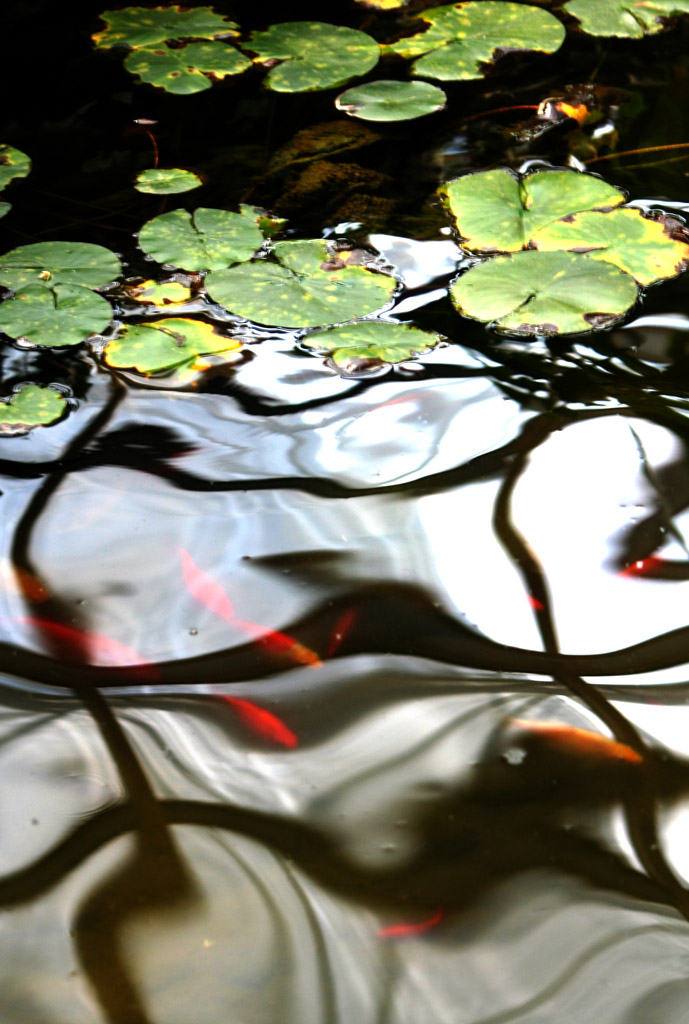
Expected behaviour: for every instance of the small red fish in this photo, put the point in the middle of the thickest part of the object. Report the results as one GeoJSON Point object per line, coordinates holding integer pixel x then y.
{"type": "Point", "coordinates": [209, 592]}
{"type": "Point", "coordinates": [262, 722]}
{"type": "Point", "coordinates": [89, 647]}
{"type": "Point", "coordinates": [657, 569]}
{"type": "Point", "coordinates": [406, 929]}
{"type": "Point", "coordinates": [535, 603]}
{"type": "Point", "coordinates": [341, 630]}
{"type": "Point", "coordinates": [581, 742]}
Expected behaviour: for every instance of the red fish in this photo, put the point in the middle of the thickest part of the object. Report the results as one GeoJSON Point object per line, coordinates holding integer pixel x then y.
{"type": "Point", "coordinates": [262, 722]}
{"type": "Point", "coordinates": [341, 630]}
{"type": "Point", "coordinates": [209, 592]}
{"type": "Point", "coordinates": [657, 569]}
{"type": "Point", "coordinates": [89, 647]}
{"type": "Point", "coordinates": [534, 602]}
{"type": "Point", "coordinates": [406, 929]}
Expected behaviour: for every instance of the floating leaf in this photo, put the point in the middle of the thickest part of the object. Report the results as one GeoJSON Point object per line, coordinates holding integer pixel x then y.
{"type": "Point", "coordinates": [143, 26]}
{"type": "Point", "coordinates": [309, 286]}
{"type": "Point", "coordinates": [463, 38]}
{"type": "Point", "coordinates": [31, 405]}
{"type": "Point", "coordinates": [630, 18]}
{"type": "Point", "coordinates": [13, 164]}
{"type": "Point", "coordinates": [642, 247]}
{"type": "Point", "coordinates": [60, 315]}
{"type": "Point", "coordinates": [165, 345]}
{"type": "Point", "coordinates": [206, 239]}
{"type": "Point", "coordinates": [51, 263]}
{"type": "Point", "coordinates": [154, 293]}
{"type": "Point", "coordinates": [5, 208]}
{"type": "Point", "coordinates": [313, 55]}
{"type": "Point", "coordinates": [183, 71]}
{"type": "Point", "coordinates": [499, 211]}
{"type": "Point", "coordinates": [391, 101]}
{"type": "Point", "coordinates": [164, 181]}
{"type": "Point", "coordinates": [370, 342]}
{"type": "Point", "coordinates": [544, 293]}
{"type": "Point", "coordinates": [383, 5]}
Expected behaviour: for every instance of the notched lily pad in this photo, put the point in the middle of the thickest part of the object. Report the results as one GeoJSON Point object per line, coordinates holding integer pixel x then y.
{"type": "Point", "coordinates": [461, 39]}
{"type": "Point", "coordinates": [206, 239]}
{"type": "Point", "coordinates": [165, 345]}
{"type": "Point", "coordinates": [313, 55]}
{"type": "Point", "coordinates": [154, 293]}
{"type": "Point", "coordinates": [536, 293]}
{"type": "Point", "coordinates": [63, 314]}
{"type": "Point", "coordinates": [356, 348]}
{"type": "Point", "coordinates": [650, 250]}
{"type": "Point", "coordinates": [30, 406]}
{"type": "Point", "coordinates": [165, 181]}
{"type": "Point", "coordinates": [499, 211]}
{"type": "Point", "coordinates": [190, 69]}
{"type": "Point", "coordinates": [13, 164]}
{"type": "Point", "coordinates": [51, 263]}
{"type": "Point", "coordinates": [143, 26]}
{"type": "Point", "coordinates": [307, 284]}
{"type": "Point", "coordinates": [630, 18]}
{"type": "Point", "coordinates": [391, 101]}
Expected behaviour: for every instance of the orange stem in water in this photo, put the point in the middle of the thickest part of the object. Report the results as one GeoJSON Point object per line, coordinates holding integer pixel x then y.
{"type": "Point", "coordinates": [635, 152]}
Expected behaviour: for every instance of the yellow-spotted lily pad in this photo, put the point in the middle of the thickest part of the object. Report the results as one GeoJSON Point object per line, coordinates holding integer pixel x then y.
{"type": "Point", "coordinates": [307, 284]}
{"type": "Point", "coordinates": [143, 26]}
{"type": "Point", "coordinates": [460, 40]}
{"type": "Point", "coordinates": [192, 68]}
{"type": "Point", "coordinates": [370, 343]}
{"type": "Point", "coordinates": [31, 406]}
{"type": "Point", "coordinates": [165, 345]}
{"type": "Point", "coordinates": [544, 293]}
{"type": "Point", "coordinates": [312, 55]}
{"type": "Point", "coordinates": [165, 181]}
{"type": "Point", "coordinates": [60, 315]}
{"type": "Point", "coordinates": [155, 293]}
{"type": "Point", "coordinates": [631, 18]}
{"type": "Point", "coordinates": [391, 101]}
{"type": "Point", "coordinates": [13, 164]}
{"type": "Point", "coordinates": [51, 263]}
{"type": "Point", "coordinates": [206, 239]}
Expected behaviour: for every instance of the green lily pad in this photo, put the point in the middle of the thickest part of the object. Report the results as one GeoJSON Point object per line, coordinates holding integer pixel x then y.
{"type": "Point", "coordinates": [308, 286]}
{"type": "Point", "coordinates": [370, 342]}
{"type": "Point", "coordinates": [313, 55]}
{"type": "Point", "coordinates": [206, 239]}
{"type": "Point", "coordinates": [13, 164]}
{"type": "Point", "coordinates": [154, 293]}
{"type": "Point", "coordinates": [60, 315]}
{"type": "Point", "coordinates": [642, 247]}
{"type": "Point", "coordinates": [31, 405]}
{"type": "Point", "coordinates": [165, 181]}
{"type": "Point", "coordinates": [391, 101]}
{"type": "Point", "coordinates": [5, 208]}
{"type": "Point", "coordinates": [463, 38]}
{"type": "Point", "coordinates": [186, 70]}
{"type": "Point", "coordinates": [499, 211]}
{"type": "Point", "coordinates": [544, 293]}
{"type": "Point", "coordinates": [51, 263]}
{"type": "Point", "coordinates": [629, 18]}
{"type": "Point", "coordinates": [143, 26]}
{"type": "Point", "coordinates": [165, 345]}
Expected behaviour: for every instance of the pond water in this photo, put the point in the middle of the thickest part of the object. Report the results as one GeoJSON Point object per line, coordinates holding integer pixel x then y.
{"type": "Point", "coordinates": [306, 678]}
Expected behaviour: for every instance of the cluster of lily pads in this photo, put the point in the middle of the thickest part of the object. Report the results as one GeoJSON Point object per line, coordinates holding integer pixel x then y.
{"type": "Point", "coordinates": [185, 50]}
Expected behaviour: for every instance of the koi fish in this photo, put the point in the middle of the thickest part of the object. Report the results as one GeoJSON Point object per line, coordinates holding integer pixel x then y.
{"type": "Point", "coordinates": [89, 647]}
{"type": "Point", "coordinates": [406, 929]}
{"type": "Point", "coordinates": [208, 591]}
{"type": "Point", "coordinates": [263, 723]}
{"type": "Point", "coordinates": [581, 741]}
{"type": "Point", "coordinates": [23, 583]}
{"type": "Point", "coordinates": [657, 569]}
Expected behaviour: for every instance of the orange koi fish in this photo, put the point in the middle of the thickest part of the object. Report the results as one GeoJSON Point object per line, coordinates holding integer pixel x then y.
{"type": "Point", "coordinates": [406, 929]}
{"type": "Point", "coordinates": [209, 592]}
{"type": "Point", "coordinates": [89, 647]}
{"type": "Point", "coordinates": [581, 741]}
{"type": "Point", "coordinates": [262, 722]}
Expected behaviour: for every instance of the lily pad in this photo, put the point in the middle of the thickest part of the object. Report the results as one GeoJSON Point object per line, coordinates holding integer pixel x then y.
{"type": "Point", "coordinates": [5, 208]}
{"type": "Point", "coordinates": [13, 164]}
{"type": "Point", "coordinates": [308, 286]}
{"type": "Point", "coordinates": [391, 101]}
{"type": "Point", "coordinates": [31, 405]}
{"type": "Point", "coordinates": [143, 26]}
{"type": "Point", "coordinates": [544, 293]}
{"type": "Point", "coordinates": [206, 239]}
{"type": "Point", "coordinates": [463, 38]}
{"type": "Point", "coordinates": [370, 342]}
{"type": "Point", "coordinates": [165, 345]}
{"type": "Point", "coordinates": [60, 315]}
{"type": "Point", "coordinates": [154, 293]}
{"type": "Point", "coordinates": [186, 70]}
{"type": "Point", "coordinates": [165, 181]}
{"type": "Point", "coordinates": [313, 55]}
{"type": "Point", "coordinates": [499, 211]}
{"type": "Point", "coordinates": [625, 17]}
{"type": "Point", "coordinates": [51, 263]}
{"type": "Point", "coordinates": [642, 247]}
